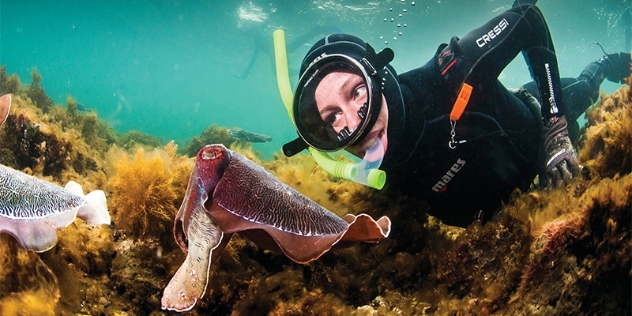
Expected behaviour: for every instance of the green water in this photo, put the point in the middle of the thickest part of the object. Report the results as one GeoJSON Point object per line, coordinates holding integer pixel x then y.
{"type": "Point", "coordinates": [172, 68]}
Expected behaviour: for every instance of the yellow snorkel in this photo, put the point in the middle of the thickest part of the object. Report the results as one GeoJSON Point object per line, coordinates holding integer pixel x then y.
{"type": "Point", "coordinates": [364, 172]}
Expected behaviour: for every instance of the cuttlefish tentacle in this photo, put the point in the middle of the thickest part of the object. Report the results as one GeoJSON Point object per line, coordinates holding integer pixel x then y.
{"type": "Point", "coordinates": [198, 236]}
{"type": "Point", "coordinates": [205, 244]}
{"type": "Point", "coordinates": [206, 173]}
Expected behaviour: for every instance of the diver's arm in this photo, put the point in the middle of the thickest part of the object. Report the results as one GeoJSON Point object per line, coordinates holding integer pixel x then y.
{"type": "Point", "coordinates": [486, 51]}
{"type": "Point", "coordinates": [253, 59]}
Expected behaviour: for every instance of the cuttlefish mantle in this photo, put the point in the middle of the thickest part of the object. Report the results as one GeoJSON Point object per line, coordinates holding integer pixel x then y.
{"type": "Point", "coordinates": [227, 194]}
{"type": "Point", "coordinates": [5, 106]}
{"type": "Point", "coordinates": [32, 209]}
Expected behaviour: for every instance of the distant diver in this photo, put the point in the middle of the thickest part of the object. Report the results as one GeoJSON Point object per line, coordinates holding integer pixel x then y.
{"type": "Point", "coordinates": [626, 21]}
{"type": "Point", "coordinates": [263, 43]}
{"type": "Point", "coordinates": [251, 137]}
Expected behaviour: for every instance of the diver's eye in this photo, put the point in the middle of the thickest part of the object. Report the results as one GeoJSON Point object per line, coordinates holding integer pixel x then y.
{"type": "Point", "coordinates": [359, 92]}
{"type": "Point", "coordinates": [332, 118]}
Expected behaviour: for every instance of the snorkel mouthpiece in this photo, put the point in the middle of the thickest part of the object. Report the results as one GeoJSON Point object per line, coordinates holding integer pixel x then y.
{"type": "Point", "coordinates": [365, 172]}
{"type": "Point", "coordinates": [368, 172]}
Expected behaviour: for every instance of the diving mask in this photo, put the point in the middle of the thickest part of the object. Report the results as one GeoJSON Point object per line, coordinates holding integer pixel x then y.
{"type": "Point", "coordinates": [314, 126]}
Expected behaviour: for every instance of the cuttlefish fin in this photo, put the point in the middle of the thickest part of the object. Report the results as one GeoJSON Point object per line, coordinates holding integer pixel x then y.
{"type": "Point", "coordinates": [205, 244]}
{"type": "Point", "coordinates": [302, 248]}
{"type": "Point", "coordinates": [5, 106]}
{"type": "Point", "coordinates": [38, 235]}
{"type": "Point", "coordinates": [95, 211]}
{"type": "Point", "coordinates": [299, 248]}
{"type": "Point", "coordinates": [364, 228]}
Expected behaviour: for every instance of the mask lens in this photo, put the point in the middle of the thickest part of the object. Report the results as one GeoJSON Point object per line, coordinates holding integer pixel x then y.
{"type": "Point", "coordinates": [334, 116]}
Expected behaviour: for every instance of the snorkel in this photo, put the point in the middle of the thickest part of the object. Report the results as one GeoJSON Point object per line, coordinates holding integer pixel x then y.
{"type": "Point", "coordinates": [365, 172]}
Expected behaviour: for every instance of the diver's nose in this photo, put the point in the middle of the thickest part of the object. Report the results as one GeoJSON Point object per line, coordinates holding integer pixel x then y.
{"type": "Point", "coordinates": [352, 120]}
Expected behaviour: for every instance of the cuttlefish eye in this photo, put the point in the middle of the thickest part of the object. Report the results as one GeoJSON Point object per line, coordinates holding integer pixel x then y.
{"type": "Point", "coordinates": [209, 155]}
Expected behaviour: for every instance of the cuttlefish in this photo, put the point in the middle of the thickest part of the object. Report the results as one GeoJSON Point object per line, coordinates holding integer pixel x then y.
{"type": "Point", "coordinates": [32, 209]}
{"type": "Point", "coordinates": [249, 136]}
{"type": "Point", "coordinates": [226, 194]}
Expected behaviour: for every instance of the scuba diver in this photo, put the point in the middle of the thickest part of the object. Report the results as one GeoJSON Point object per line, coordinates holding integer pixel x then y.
{"type": "Point", "coordinates": [450, 132]}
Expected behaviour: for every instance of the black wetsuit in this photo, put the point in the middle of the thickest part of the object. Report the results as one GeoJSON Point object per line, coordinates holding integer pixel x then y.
{"type": "Point", "coordinates": [499, 136]}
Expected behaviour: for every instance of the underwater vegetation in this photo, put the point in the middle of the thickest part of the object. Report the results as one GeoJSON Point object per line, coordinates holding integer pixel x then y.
{"type": "Point", "coordinates": [565, 251]}
{"type": "Point", "coordinates": [8, 84]}
{"type": "Point", "coordinates": [605, 151]}
{"type": "Point", "coordinates": [57, 142]}
{"type": "Point", "coordinates": [147, 189]}
{"type": "Point", "coordinates": [27, 284]}
{"type": "Point", "coordinates": [132, 139]}
{"type": "Point", "coordinates": [215, 135]}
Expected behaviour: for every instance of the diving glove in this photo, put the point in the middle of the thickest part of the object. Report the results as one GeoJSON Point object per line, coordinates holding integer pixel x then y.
{"type": "Point", "coordinates": [560, 162]}
{"type": "Point", "coordinates": [616, 67]}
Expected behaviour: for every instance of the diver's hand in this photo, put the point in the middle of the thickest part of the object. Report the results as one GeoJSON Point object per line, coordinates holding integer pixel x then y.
{"type": "Point", "coordinates": [560, 162]}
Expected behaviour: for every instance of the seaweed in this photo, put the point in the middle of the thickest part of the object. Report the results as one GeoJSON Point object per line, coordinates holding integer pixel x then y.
{"type": "Point", "coordinates": [93, 130]}
{"type": "Point", "coordinates": [145, 198]}
{"type": "Point", "coordinates": [606, 142]}
{"type": "Point", "coordinates": [62, 144]}
{"type": "Point", "coordinates": [214, 135]}
{"type": "Point", "coordinates": [35, 91]}
{"type": "Point", "coordinates": [42, 152]}
{"type": "Point", "coordinates": [132, 139]}
{"type": "Point", "coordinates": [27, 285]}
{"type": "Point", "coordinates": [8, 84]}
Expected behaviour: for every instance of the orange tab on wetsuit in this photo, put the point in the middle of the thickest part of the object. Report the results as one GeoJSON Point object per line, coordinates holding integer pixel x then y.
{"type": "Point", "coordinates": [461, 102]}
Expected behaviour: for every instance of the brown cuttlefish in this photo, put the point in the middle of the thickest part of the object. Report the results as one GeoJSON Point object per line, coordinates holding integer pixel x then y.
{"type": "Point", "coordinates": [227, 194]}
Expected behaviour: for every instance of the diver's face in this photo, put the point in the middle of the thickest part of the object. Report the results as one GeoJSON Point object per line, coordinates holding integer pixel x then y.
{"type": "Point", "coordinates": [340, 96]}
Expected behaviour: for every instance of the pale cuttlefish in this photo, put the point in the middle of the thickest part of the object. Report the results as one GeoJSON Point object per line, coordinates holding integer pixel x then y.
{"type": "Point", "coordinates": [32, 209]}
